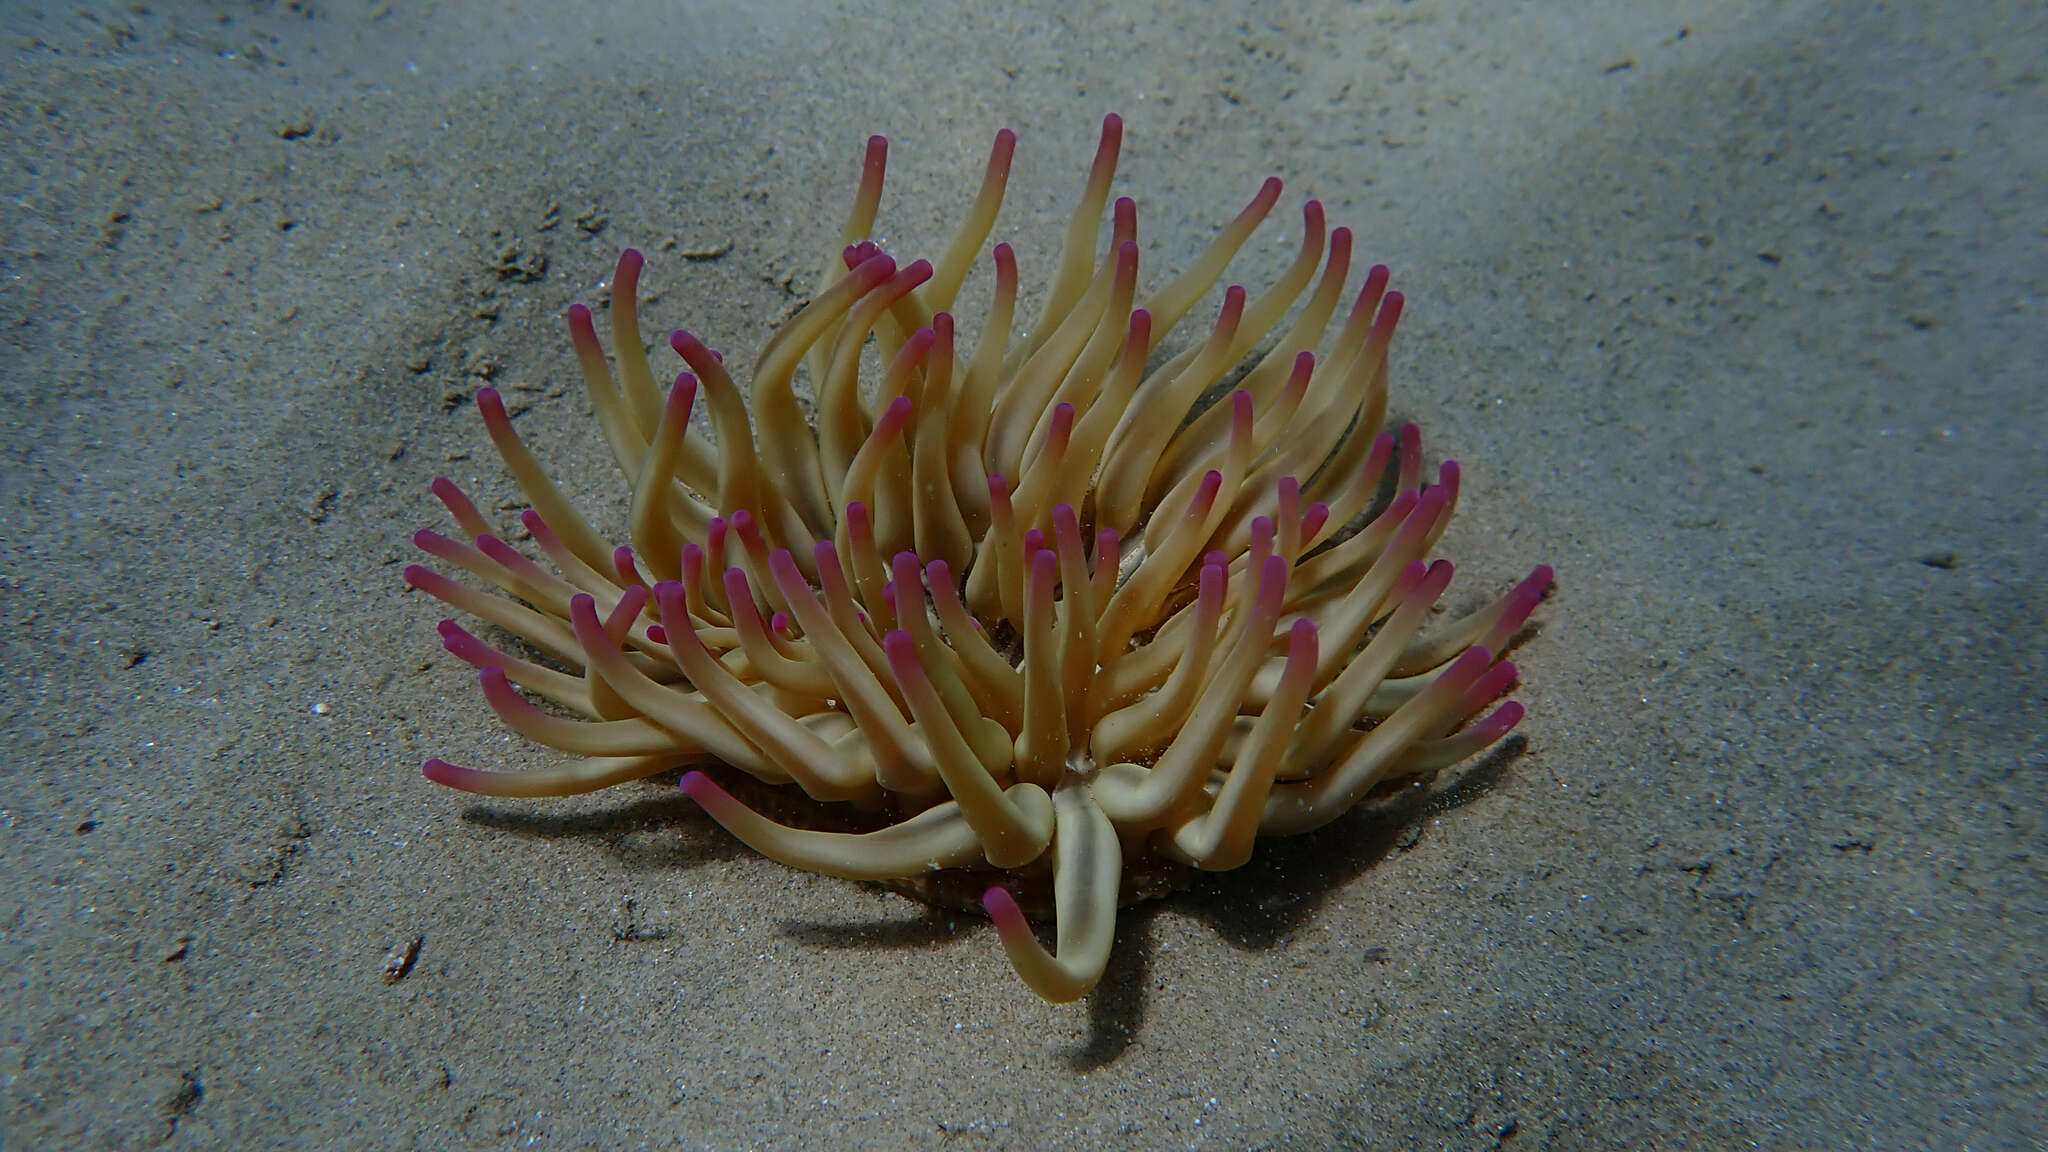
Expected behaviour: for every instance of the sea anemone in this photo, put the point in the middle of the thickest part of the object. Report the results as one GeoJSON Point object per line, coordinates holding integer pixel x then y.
{"type": "Point", "coordinates": [1086, 603]}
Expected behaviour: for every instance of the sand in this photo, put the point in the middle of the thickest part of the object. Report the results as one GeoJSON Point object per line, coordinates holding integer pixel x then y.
{"type": "Point", "coordinates": [1731, 311]}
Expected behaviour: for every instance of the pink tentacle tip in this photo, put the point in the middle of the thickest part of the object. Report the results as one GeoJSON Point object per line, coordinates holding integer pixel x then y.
{"type": "Point", "coordinates": [1262, 534]}
{"type": "Point", "coordinates": [1273, 579]}
{"type": "Point", "coordinates": [500, 551]}
{"type": "Point", "coordinates": [631, 601]}
{"type": "Point", "coordinates": [692, 349]}
{"type": "Point", "coordinates": [682, 396]}
{"type": "Point", "coordinates": [1498, 723]}
{"type": "Point", "coordinates": [1123, 229]}
{"type": "Point", "coordinates": [1066, 525]}
{"type": "Point", "coordinates": [1382, 451]}
{"type": "Point", "coordinates": [902, 652]}
{"type": "Point", "coordinates": [1390, 315]}
{"type": "Point", "coordinates": [451, 775]}
{"type": "Point", "coordinates": [705, 791]}
{"type": "Point", "coordinates": [1340, 251]}
{"type": "Point", "coordinates": [1301, 640]}
{"type": "Point", "coordinates": [871, 264]}
{"type": "Point", "coordinates": [1495, 681]}
{"type": "Point", "coordinates": [1464, 671]}
{"type": "Point", "coordinates": [1045, 568]}
{"type": "Point", "coordinates": [1312, 521]}
{"type": "Point", "coordinates": [1002, 908]}
{"type": "Point", "coordinates": [622, 562]}
{"type": "Point", "coordinates": [494, 683]}
{"type": "Point", "coordinates": [467, 648]}
{"type": "Point", "coordinates": [671, 592]}
{"type": "Point", "coordinates": [583, 333]}
{"type": "Point", "coordinates": [898, 411]}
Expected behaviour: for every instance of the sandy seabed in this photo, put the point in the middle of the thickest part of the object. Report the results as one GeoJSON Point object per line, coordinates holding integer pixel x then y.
{"type": "Point", "coordinates": [1732, 311]}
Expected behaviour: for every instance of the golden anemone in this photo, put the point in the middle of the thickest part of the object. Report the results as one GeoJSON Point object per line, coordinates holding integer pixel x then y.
{"type": "Point", "coordinates": [1078, 599]}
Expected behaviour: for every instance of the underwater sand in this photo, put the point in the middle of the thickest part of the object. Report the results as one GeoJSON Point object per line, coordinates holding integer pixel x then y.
{"type": "Point", "coordinates": [1732, 311]}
